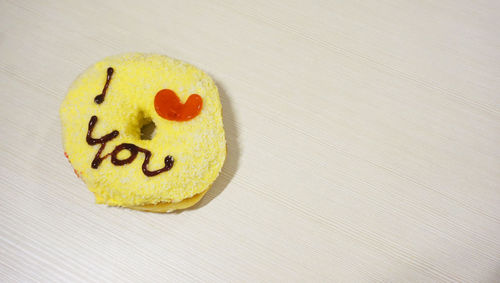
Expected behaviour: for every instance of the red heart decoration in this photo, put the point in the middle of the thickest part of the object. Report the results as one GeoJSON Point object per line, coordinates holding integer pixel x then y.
{"type": "Point", "coordinates": [169, 106]}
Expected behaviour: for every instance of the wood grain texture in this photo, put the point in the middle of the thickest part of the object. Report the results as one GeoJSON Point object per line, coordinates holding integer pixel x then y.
{"type": "Point", "coordinates": [363, 142]}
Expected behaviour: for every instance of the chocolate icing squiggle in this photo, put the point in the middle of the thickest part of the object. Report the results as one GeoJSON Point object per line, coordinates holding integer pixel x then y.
{"type": "Point", "coordinates": [100, 98]}
{"type": "Point", "coordinates": [102, 141]}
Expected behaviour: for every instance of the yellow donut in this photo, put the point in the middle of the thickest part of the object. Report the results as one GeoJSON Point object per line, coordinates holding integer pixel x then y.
{"type": "Point", "coordinates": [102, 116]}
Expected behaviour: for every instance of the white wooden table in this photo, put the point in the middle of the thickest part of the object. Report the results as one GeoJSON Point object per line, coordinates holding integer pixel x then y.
{"type": "Point", "coordinates": [363, 142]}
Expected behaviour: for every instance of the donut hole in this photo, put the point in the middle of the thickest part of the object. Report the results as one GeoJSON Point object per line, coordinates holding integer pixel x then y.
{"type": "Point", "coordinates": [148, 128]}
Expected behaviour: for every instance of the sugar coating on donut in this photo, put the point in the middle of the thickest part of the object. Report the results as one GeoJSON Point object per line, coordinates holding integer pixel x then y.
{"type": "Point", "coordinates": [198, 146]}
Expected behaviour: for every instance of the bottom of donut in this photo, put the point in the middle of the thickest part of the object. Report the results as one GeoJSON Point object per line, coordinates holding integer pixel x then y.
{"type": "Point", "coordinates": [163, 207]}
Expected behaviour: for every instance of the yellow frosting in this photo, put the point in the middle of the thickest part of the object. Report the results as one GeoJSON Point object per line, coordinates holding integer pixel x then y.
{"type": "Point", "coordinates": [198, 146]}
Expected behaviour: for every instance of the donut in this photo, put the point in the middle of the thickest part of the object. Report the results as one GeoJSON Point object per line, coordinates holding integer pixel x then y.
{"type": "Point", "coordinates": [104, 118]}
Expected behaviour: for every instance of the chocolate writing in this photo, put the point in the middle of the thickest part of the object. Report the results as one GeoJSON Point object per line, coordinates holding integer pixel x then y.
{"type": "Point", "coordinates": [132, 148]}
{"type": "Point", "coordinates": [100, 98]}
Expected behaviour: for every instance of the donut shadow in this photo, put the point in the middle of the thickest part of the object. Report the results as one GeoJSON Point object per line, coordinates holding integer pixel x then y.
{"type": "Point", "coordinates": [230, 166]}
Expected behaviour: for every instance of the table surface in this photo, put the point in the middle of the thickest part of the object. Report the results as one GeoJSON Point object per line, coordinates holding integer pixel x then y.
{"type": "Point", "coordinates": [363, 142]}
